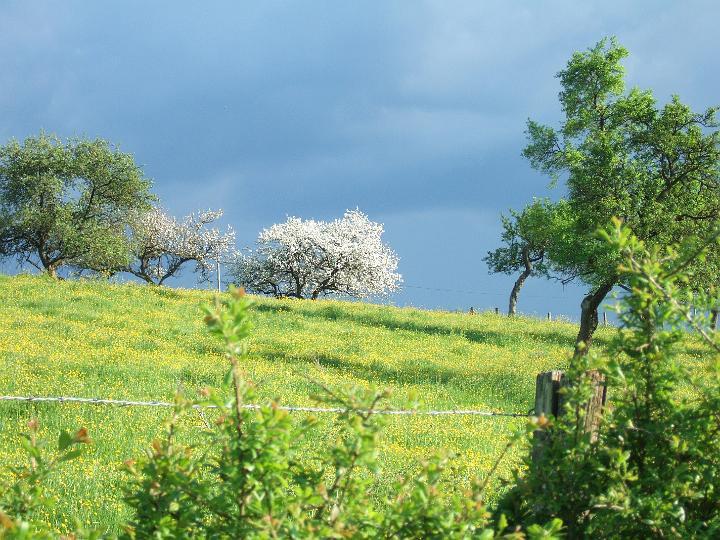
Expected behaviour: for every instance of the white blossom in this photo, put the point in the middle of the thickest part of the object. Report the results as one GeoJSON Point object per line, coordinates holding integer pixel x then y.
{"type": "Point", "coordinates": [162, 244]}
{"type": "Point", "coordinates": [308, 258]}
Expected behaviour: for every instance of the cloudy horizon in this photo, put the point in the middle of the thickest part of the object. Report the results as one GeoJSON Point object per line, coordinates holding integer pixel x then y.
{"type": "Point", "coordinates": [413, 112]}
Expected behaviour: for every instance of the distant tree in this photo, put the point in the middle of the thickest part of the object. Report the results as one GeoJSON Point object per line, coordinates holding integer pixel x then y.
{"type": "Point", "coordinates": [621, 155]}
{"type": "Point", "coordinates": [68, 204]}
{"type": "Point", "coordinates": [162, 245]}
{"type": "Point", "coordinates": [527, 236]}
{"type": "Point", "coordinates": [308, 258]}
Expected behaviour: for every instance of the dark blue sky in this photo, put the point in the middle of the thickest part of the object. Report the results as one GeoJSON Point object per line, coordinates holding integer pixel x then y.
{"type": "Point", "coordinates": [412, 111]}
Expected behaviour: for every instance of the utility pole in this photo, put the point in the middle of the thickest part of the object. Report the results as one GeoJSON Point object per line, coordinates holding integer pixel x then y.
{"type": "Point", "coordinates": [217, 272]}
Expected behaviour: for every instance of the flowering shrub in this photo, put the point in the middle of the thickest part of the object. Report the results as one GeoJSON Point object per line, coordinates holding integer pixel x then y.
{"type": "Point", "coordinates": [308, 258]}
{"type": "Point", "coordinates": [162, 244]}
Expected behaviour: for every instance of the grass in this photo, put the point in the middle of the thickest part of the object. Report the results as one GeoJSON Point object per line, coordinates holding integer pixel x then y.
{"type": "Point", "coordinates": [92, 339]}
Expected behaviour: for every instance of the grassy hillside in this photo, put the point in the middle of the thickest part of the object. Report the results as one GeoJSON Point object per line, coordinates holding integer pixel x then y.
{"type": "Point", "coordinates": [140, 343]}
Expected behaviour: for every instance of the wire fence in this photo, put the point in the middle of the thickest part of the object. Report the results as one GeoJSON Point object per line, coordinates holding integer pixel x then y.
{"type": "Point", "coordinates": [335, 410]}
{"type": "Point", "coordinates": [481, 293]}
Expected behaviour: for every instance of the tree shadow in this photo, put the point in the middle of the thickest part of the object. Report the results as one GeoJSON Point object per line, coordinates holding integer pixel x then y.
{"type": "Point", "coordinates": [553, 338]}
{"type": "Point", "coordinates": [163, 292]}
{"type": "Point", "coordinates": [271, 308]}
{"type": "Point", "coordinates": [484, 336]}
{"type": "Point", "coordinates": [500, 389]}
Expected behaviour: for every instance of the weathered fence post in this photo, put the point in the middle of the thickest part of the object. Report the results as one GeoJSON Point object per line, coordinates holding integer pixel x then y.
{"type": "Point", "coordinates": [604, 318]}
{"type": "Point", "coordinates": [497, 311]}
{"type": "Point", "coordinates": [596, 403]}
{"type": "Point", "coordinates": [547, 386]}
{"type": "Point", "coordinates": [549, 401]}
{"type": "Point", "coordinates": [549, 316]}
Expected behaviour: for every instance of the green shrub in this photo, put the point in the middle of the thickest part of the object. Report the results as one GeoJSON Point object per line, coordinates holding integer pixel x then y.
{"type": "Point", "coordinates": [23, 498]}
{"type": "Point", "coordinates": [654, 470]}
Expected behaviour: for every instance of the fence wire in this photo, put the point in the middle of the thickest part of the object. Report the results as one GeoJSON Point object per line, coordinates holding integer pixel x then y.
{"type": "Point", "coordinates": [336, 410]}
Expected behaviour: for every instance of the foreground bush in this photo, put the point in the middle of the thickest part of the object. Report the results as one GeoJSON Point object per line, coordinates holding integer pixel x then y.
{"type": "Point", "coordinates": [654, 469]}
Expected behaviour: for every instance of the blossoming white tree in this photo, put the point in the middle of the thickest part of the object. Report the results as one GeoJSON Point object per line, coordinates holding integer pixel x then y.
{"type": "Point", "coordinates": [162, 244]}
{"type": "Point", "coordinates": [308, 258]}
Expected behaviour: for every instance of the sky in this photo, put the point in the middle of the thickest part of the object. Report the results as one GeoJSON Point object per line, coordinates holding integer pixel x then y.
{"type": "Point", "coordinates": [412, 111]}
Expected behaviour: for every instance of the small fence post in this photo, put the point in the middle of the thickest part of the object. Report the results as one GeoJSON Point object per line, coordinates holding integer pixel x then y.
{"type": "Point", "coordinates": [604, 318]}
{"type": "Point", "coordinates": [549, 316]}
{"type": "Point", "coordinates": [549, 401]}
{"type": "Point", "coordinates": [497, 311]}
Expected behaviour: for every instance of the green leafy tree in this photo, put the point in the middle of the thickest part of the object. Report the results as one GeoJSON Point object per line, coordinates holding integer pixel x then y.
{"type": "Point", "coordinates": [68, 204]}
{"type": "Point", "coordinates": [527, 236]}
{"type": "Point", "coordinates": [621, 154]}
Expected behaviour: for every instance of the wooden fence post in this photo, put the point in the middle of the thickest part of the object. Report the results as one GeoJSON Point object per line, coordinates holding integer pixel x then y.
{"type": "Point", "coordinates": [497, 311]}
{"type": "Point", "coordinates": [547, 386]}
{"type": "Point", "coordinates": [596, 403]}
{"type": "Point", "coordinates": [549, 401]}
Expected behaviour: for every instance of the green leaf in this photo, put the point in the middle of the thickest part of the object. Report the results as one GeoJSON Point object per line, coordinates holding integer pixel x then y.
{"type": "Point", "coordinates": [72, 454]}
{"type": "Point", "coordinates": [64, 440]}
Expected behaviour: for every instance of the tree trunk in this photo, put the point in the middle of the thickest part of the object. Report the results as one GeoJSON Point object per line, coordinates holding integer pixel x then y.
{"type": "Point", "coordinates": [516, 290]}
{"type": "Point", "coordinates": [713, 318]}
{"type": "Point", "coordinates": [512, 305]}
{"type": "Point", "coordinates": [48, 263]}
{"type": "Point", "coordinates": [51, 267]}
{"type": "Point", "coordinates": [142, 275]}
{"type": "Point", "coordinates": [298, 286]}
{"type": "Point", "coordinates": [589, 317]}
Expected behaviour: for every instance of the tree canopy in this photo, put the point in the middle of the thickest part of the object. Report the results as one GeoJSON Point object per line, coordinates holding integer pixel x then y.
{"type": "Point", "coordinates": [527, 236]}
{"type": "Point", "coordinates": [621, 154]}
{"type": "Point", "coordinates": [68, 204]}
{"type": "Point", "coordinates": [309, 258]}
{"type": "Point", "coordinates": [162, 245]}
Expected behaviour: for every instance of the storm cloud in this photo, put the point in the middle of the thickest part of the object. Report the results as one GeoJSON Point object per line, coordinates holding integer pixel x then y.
{"type": "Point", "coordinates": [412, 111]}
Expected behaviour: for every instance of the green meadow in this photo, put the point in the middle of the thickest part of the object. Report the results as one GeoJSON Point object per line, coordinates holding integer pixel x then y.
{"type": "Point", "coordinates": [94, 339]}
